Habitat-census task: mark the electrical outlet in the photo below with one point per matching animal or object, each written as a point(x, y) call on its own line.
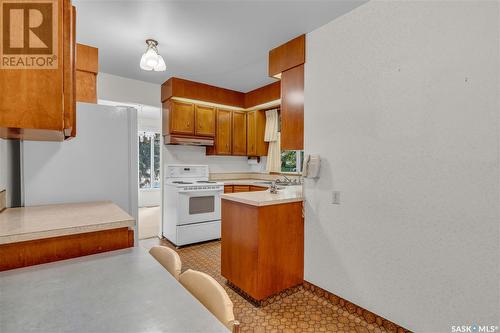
point(336, 197)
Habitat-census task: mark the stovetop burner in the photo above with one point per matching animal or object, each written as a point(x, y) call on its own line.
point(181, 182)
point(206, 182)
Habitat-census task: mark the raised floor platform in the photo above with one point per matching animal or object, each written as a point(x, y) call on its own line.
point(41, 234)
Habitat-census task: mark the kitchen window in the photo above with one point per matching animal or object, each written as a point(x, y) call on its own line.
point(291, 161)
point(149, 160)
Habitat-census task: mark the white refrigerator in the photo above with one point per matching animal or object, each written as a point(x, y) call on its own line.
point(100, 163)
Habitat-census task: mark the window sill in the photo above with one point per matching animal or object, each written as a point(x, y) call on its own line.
point(149, 189)
point(286, 173)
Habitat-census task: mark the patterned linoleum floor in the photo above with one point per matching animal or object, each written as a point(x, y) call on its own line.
point(301, 311)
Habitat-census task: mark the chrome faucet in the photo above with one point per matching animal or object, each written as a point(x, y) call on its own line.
point(273, 188)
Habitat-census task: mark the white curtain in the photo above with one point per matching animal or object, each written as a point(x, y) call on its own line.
point(273, 137)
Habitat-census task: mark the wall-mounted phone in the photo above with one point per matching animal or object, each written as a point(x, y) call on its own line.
point(312, 164)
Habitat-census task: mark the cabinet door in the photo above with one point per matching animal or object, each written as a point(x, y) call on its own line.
point(257, 188)
point(69, 69)
point(223, 140)
point(292, 109)
point(182, 118)
point(32, 100)
point(239, 133)
point(205, 121)
point(251, 134)
point(241, 188)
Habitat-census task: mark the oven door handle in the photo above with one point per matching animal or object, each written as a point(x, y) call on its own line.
point(202, 190)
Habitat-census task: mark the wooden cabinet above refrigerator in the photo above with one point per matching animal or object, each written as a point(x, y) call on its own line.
point(38, 86)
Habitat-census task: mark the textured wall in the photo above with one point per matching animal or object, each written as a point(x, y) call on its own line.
point(401, 101)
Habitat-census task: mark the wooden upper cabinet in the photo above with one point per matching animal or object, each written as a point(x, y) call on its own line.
point(239, 133)
point(251, 133)
point(292, 109)
point(87, 67)
point(37, 96)
point(256, 127)
point(223, 138)
point(205, 120)
point(286, 56)
point(181, 118)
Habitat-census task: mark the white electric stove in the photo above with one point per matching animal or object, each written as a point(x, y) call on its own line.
point(191, 205)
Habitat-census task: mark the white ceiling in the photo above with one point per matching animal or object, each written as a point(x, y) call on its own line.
point(223, 43)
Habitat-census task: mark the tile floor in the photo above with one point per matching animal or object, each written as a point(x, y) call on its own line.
point(301, 311)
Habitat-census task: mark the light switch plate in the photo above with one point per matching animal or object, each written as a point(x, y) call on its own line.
point(336, 197)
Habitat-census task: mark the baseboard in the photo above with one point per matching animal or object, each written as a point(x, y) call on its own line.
point(350, 307)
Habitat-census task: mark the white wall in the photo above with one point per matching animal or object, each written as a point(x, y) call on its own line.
point(173, 154)
point(96, 165)
point(401, 101)
point(121, 89)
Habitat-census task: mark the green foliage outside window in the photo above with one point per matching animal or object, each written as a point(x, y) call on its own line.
point(149, 155)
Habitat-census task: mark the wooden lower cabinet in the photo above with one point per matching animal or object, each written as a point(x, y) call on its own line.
point(40, 251)
point(262, 247)
point(257, 188)
point(241, 188)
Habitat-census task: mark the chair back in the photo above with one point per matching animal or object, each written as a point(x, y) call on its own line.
point(168, 258)
point(211, 294)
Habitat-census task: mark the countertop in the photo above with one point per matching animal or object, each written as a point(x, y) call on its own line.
point(265, 198)
point(120, 291)
point(254, 182)
point(36, 222)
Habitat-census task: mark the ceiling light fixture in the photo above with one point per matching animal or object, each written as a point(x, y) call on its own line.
point(151, 60)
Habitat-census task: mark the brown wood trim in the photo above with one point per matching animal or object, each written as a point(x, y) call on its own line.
point(292, 109)
point(369, 316)
point(87, 58)
point(32, 134)
point(265, 94)
point(288, 55)
point(40, 251)
point(177, 87)
point(130, 238)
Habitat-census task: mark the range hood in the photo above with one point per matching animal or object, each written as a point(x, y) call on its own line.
point(188, 140)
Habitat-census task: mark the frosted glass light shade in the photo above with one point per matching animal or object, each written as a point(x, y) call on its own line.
point(161, 66)
point(151, 60)
point(143, 63)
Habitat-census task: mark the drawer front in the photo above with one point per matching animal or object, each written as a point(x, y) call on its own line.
point(241, 188)
point(257, 188)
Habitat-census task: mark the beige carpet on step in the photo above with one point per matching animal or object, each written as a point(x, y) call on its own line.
point(149, 222)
